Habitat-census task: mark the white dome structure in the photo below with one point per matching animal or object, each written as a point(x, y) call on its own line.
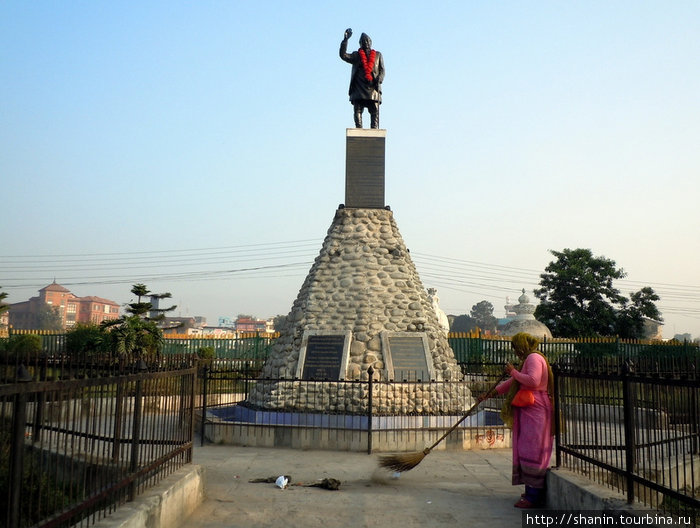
point(525, 321)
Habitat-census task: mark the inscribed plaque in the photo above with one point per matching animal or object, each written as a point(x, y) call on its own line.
point(323, 357)
point(408, 356)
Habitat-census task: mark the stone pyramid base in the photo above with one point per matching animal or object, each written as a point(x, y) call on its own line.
point(364, 285)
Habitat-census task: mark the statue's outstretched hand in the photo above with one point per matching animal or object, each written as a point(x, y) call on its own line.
point(348, 34)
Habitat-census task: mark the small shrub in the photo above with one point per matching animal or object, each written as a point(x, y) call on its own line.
point(87, 340)
point(25, 347)
point(206, 352)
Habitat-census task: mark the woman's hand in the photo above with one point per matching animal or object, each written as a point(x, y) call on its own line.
point(509, 368)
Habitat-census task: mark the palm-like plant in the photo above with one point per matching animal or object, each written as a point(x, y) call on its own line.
point(135, 336)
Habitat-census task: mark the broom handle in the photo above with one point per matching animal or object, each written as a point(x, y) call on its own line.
point(466, 415)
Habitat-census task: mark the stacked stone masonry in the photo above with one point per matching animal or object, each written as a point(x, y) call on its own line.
point(363, 281)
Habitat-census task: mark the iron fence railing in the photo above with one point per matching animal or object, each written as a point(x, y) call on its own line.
point(249, 347)
point(648, 356)
point(635, 433)
point(73, 450)
point(225, 387)
point(245, 346)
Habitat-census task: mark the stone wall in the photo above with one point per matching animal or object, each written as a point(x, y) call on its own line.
point(363, 282)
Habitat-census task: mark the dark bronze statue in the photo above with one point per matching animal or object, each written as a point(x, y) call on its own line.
point(366, 78)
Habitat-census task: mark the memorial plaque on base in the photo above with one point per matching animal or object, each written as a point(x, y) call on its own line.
point(364, 168)
point(323, 356)
point(407, 356)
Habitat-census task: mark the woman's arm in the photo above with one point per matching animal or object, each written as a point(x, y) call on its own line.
point(530, 375)
point(503, 387)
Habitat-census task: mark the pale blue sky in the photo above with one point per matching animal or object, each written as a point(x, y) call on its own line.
point(177, 143)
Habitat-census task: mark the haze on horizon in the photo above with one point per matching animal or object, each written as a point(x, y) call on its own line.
point(199, 148)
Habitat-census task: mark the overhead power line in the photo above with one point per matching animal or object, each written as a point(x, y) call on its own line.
point(285, 259)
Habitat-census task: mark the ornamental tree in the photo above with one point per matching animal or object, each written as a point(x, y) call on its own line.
point(137, 336)
point(145, 309)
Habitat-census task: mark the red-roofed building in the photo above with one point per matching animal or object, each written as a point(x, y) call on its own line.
point(71, 308)
point(249, 324)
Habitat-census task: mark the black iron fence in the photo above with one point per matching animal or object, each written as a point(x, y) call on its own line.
point(72, 450)
point(634, 432)
point(367, 413)
point(473, 349)
point(600, 353)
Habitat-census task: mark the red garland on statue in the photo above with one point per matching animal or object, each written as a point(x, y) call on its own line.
point(368, 65)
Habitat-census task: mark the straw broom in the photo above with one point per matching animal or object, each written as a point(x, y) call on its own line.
point(407, 461)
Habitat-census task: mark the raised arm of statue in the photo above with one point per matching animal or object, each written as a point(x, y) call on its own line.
point(344, 48)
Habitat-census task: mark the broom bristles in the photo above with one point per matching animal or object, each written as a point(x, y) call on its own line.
point(403, 462)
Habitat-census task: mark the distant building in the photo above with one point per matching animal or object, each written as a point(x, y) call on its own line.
point(218, 331)
point(4, 322)
point(653, 329)
point(250, 324)
point(524, 320)
point(683, 337)
point(226, 322)
point(180, 325)
point(509, 316)
point(243, 324)
point(71, 308)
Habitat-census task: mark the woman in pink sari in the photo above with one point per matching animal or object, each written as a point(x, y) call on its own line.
point(532, 424)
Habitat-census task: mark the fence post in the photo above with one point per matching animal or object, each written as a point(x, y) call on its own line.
point(136, 429)
point(19, 420)
point(205, 381)
point(630, 441)
point(246, 378)
point(694, 416)
point(370, 371)
point(193, 397)
point(118, 414)
point(41, 399)
point(556, 370)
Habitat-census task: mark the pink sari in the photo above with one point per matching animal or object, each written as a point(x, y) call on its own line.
point(532, 425)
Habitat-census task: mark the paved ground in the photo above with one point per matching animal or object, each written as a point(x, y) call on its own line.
point(469, 488)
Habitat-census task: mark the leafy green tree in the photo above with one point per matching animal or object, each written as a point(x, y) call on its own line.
point(463, 323)
point(644, 301)
point(23, 347)
point(577, 296)
point(132, 337)
point(87, 339)
point(630, 319)
point(278, 322)
point(482, 313)
point(48, 318)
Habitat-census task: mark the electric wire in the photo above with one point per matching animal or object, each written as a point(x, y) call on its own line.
point(290, 259)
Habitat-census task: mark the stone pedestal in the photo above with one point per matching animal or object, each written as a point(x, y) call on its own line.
point(364, 168)
point(362, 305)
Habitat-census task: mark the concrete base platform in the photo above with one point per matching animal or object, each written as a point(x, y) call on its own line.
point(166, 505)
point(239, 426)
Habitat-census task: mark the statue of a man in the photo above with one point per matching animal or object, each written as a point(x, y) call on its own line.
point(366, 78)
